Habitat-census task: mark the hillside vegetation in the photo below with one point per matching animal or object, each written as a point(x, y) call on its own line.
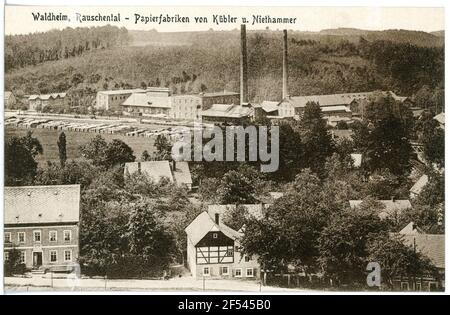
point(332, 61)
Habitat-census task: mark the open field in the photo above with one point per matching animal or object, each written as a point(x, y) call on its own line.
point(49, 138)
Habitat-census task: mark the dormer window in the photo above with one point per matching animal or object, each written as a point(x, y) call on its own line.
point(215, 235)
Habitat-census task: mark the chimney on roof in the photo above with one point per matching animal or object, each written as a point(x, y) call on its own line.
point(285, 65)
point(244, 83)
point(216, 216)
point(393, 198)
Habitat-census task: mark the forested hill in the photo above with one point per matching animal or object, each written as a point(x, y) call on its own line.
point(319, 63)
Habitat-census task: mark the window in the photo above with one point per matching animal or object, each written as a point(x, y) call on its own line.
point(230, 253)
point(52, 236)
point(67, 255)
point(405, 286)
point(433, 286)
point(67, 235)
point(224, 270)
point(205, 271)
point(21, 237)
point(247, 258)
point(418, 286)
point(53, 256)
point(7, 237)
point(22, 257)
point(215, 235)
point(6, 256)
point(249, 272)
point(37, 236)
point(238, 272)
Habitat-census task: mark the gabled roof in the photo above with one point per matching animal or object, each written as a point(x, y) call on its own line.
point(145, 100)
point(42, 204)
point(255, 210)
point(440, 118)
point(411, 228)
point(419, 185)
point(7, 95)
point(337, 99)
point(216, 94)
point(181, 173)
point(337, 108)
point(47, 96)
point(203, 224)
point(269, 106)
point(227, 111)
point(156, 170)
point(430, 245)
point(390, 206)
point(116, 92)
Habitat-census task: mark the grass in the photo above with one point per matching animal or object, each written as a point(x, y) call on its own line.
point(49, 138)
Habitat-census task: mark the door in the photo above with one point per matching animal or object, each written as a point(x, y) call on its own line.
point(37, 259)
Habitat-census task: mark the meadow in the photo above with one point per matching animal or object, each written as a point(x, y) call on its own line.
point(49, 138)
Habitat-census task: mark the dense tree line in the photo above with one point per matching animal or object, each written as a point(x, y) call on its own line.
point(32, 49)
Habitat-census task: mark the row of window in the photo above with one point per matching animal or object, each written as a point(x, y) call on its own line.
point(225, 271)
point(53, 256)
point(432, 286)
point(52, 236)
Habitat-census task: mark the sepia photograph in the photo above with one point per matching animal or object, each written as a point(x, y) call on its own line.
point(223, 149)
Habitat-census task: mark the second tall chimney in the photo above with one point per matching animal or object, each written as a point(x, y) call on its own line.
point(285, 65)
point(244, 84)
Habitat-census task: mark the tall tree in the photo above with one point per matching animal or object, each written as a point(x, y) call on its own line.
point(62, 149)
point(316, 140)
point(20, 165)
point(384, 136)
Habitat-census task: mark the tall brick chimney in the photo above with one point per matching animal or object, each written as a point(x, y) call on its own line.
point(244, 83)
point(285, 65)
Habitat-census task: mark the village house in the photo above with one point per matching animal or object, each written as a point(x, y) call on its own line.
point(174, 171)
point(390, 207)
point(113, 99)
point(38, 102)
point(213, 250)
point(267, 109)
point(431, 246)
point(155, 102)
point(42, 222)
point(10, 99)
point(224, 113)
point(190, 106)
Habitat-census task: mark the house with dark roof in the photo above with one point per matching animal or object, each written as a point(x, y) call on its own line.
point(177, 172)
point(433, 247)
point(214, 251)
point(42, 222)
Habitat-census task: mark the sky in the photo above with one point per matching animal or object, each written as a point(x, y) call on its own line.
point(19, 19)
